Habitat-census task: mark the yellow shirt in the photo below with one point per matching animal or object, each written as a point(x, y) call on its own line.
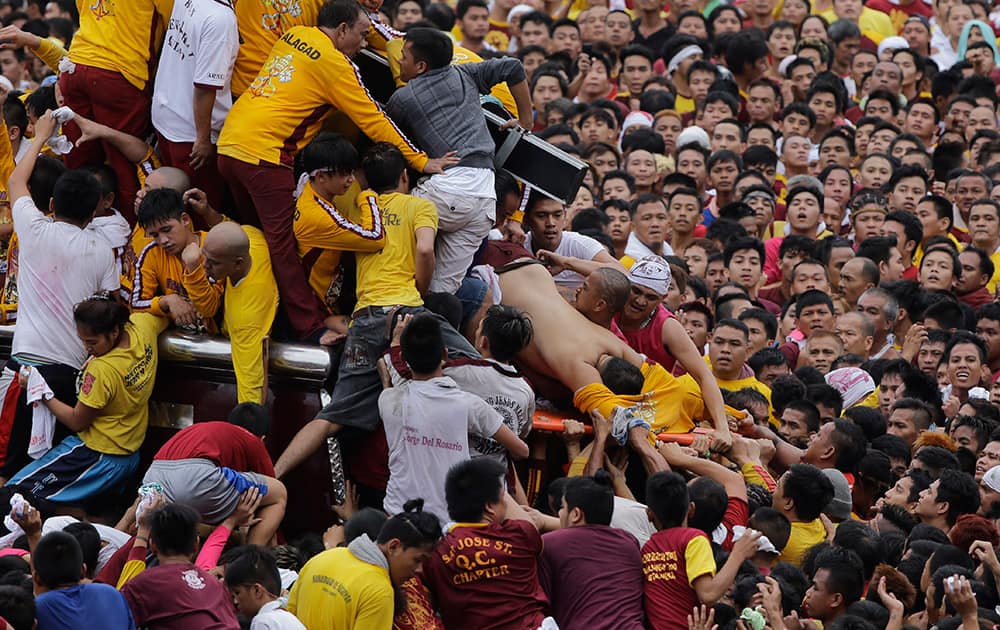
point(668, 404)
point(304, 80)
point(121, 35)
point(118, 385)
point(918, 253)
point(874, 25)
point(683, 104)
point(158, 273)
point(386, 277)
point(261, 23)
point(323, 232)
point(249, 309)
point(335, 589)
point(804, 536)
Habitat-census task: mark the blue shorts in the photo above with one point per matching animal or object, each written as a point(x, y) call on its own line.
point(71, 472)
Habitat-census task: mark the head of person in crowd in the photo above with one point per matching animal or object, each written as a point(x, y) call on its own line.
point(587, 501)
point(908, 417)
point(814, 312)
point(839, 444)
point(253, 579)
point(762, 327)
point(838, 581)
point(802, 493)
point(226, 253)
point(727, 348)
point(798, 422)
point(163, 216)
point(949, 496)
point(100, 323)
point(857, 276)
point(966, 359)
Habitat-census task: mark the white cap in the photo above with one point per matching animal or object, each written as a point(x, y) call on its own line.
point(693, 134)
point(652, 273)
point(892, 43)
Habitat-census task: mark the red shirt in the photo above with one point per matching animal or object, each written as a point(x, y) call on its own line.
point(737, 513)
point(912, 273)
point(485, 576)
point(648, 340)
point(671, 560)
point(180, 596)
point(222, 443)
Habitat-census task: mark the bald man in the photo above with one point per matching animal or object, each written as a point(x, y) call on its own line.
point(571, 351)
point(237, 256)
point(602, 294)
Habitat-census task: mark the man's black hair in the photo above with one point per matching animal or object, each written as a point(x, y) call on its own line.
point(470, 486)
point(966, 337)
point(90, 544)
point(41, 100)
point(758, 154)
point(797, 243)
point(43, 178)
point(159, 205)
point(744, 243)
point(254, 565)
point(15, 114)
point(58, 560)
point(911, 226)
point(876, 248)
point(862, 540)
point(936, 459)
point(668, 498)
point(744, 49)
point(809, 488)
point(947, 313)
point(765, 317)
point(808, 410)
point(812, 297)
point(412, 527)
point(174, 530)
point(422, 344)
point(18, 606)
point(383, 165)
point(594, 497)
point(845, 572)
point(785, 389)
point(561, 129)
point(656, 100)
point(621, 377)
point(959, 490)
point(850, 442)
point(337, 12)
point(329, 151)
point(252, 417)
point(710, 500)
point(826, 395)
point(724, 230)
point(893, 446)
point(508, 331)
point(75, 197)
point(430, 46)
point(767, 357)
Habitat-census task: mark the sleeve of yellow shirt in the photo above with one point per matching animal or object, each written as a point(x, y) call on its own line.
point(145, 281)
point(247, 347)
point(131, 569)
point(99, 384)
point(338, 232)
point(347, 93)
point(206, 296)
point(147, 165)
point(698, 559)
point(758, 475)
point(51, 53)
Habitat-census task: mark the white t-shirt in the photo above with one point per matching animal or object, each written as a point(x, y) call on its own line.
point(59, 265)
point(638, 250)
point(199, 49)
point(632, 517)
point(273, 617)
point(427, 427)
point(575, 245)
point(113, 228)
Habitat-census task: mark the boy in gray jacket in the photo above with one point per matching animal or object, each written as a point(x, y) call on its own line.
point(439, 106)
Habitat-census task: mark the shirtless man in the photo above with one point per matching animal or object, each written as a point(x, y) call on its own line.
point(571, 349)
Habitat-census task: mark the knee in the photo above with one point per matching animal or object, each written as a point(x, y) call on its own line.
point(277, 493)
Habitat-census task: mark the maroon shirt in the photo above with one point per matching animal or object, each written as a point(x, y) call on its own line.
point(223, 444)
point(593, 576)
point(485, 576)
point(181, 597)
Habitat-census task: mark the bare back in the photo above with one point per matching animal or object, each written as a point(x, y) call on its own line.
point(566, 344)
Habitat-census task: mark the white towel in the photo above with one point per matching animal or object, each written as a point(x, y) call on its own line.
point(19, 506)
point(43, 421)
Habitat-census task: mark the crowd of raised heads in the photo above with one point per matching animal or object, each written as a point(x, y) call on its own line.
point(738, 373)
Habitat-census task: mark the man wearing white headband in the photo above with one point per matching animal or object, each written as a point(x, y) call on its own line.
point(683, 51)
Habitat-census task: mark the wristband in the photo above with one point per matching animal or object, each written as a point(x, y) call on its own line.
point(517, 215)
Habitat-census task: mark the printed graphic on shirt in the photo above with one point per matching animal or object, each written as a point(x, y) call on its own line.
point(88, 383)
point(102, 8)
point(659, 565)
point(275, 12)
point(278, 69)
point(193, 580)
point(476, 558)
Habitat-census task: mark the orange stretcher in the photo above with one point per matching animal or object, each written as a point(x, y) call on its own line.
point(552, 422)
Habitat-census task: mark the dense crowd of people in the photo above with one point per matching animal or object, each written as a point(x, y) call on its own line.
point(746, 378)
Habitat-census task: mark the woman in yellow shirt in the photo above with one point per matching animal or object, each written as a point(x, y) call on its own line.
point(111, 413)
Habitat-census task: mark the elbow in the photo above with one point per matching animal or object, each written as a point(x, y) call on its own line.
point(425, 251)
point(520, 451)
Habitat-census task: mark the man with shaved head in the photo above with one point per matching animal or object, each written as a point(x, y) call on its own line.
point(237, 256)
point(603, 293)
point(857, 332)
